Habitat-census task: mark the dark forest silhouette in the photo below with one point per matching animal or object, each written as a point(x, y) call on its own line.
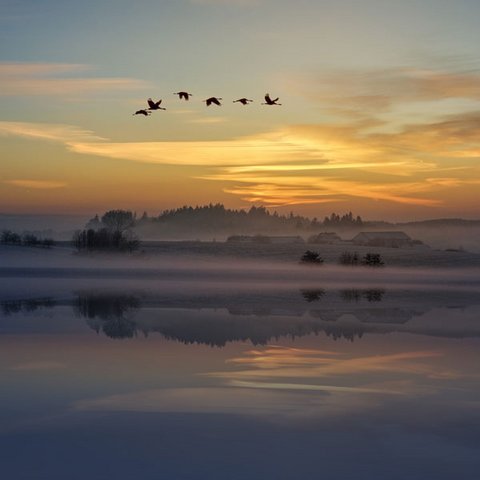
point(216, 219)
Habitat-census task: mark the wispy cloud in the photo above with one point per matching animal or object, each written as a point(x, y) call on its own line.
point(65, 134)
point(378, 90)
point(226, 2)
point(209, 120)
point(36, 184)
point(308, 164)
point(57, 79)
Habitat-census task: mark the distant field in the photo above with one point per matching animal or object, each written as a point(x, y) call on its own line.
point(189, 252)
point(290, 253)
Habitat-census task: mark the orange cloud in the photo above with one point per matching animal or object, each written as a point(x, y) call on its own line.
point(36, 184)
point(308, 164)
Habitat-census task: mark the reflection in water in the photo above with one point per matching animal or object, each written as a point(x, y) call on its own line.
point(108, 312)
point(29, 305)
point(218, 319)
point(355, 295)
point(309, 404)
point(312, 295)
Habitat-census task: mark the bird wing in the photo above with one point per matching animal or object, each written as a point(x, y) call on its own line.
point(267, 98)
point(151, 103)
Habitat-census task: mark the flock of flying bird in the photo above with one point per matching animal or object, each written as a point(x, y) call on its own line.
point(152, 105)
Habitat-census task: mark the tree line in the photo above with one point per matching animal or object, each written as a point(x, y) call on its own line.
point(8, 237)
point(217, 218)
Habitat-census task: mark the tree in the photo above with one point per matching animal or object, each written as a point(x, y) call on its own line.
point(311, 258)
point(106, 240)
point(118, 220)
point(373, 260)
point(94, 223)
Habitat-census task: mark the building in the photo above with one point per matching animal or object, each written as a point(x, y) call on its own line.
point(394, 239)
point(328, 238)
point(265, 239)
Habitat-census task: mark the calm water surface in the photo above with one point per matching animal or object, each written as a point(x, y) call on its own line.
point(183, 382)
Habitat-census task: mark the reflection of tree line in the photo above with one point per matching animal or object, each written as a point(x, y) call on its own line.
point(108, 312)
point(10, 307)
point(115, 316)
point(348, 295)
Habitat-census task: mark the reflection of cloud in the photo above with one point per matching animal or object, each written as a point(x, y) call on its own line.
point(309, 387)
point(38, 366)
point(36, 184)
point(232, 400)
point(47, 79)
point(271, 364)
point(280, 389)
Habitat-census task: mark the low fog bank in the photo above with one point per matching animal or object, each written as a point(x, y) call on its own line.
point(58, 227)
point(446, 236)
point(180, 268)
point(231, 255)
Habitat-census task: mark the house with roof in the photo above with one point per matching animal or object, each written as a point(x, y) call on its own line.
point(393, 239)
point(328, 238)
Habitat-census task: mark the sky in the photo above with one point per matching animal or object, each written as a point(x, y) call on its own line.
point(379, 115)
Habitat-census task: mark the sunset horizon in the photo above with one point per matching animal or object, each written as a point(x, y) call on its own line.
point(379, 108)
point(239, 239)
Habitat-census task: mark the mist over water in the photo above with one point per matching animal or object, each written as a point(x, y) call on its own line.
point(232, 361)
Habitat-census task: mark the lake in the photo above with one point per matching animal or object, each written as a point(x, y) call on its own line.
point(171, 378)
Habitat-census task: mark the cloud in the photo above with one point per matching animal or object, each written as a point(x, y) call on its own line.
point(56, 79)
point(378, 90)
point(65, 134)
point(209, 120)
point(36, 184)
point(242, 3)
point(309, 164)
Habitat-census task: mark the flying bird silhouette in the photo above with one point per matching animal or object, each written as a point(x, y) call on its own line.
point(243, 101)
point(215, 100)
point(142, 112)
point(154, 105)
point(183, 95)
point(269, 101)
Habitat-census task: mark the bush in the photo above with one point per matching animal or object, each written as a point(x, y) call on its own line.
point(349, 258)
point(311, 258)
point(373, 260)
